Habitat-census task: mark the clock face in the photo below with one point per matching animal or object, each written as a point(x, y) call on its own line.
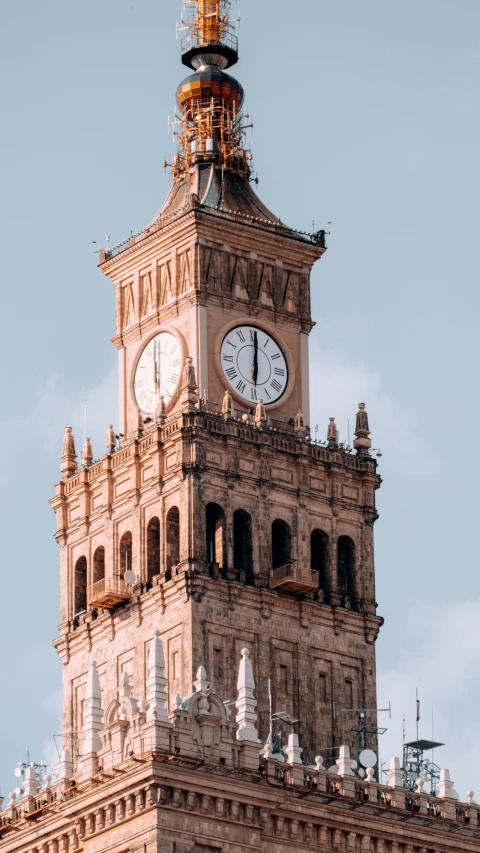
point(158, 372)
point(254, 364)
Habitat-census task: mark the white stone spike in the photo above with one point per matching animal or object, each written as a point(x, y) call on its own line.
point(201, 685)
point(246, 703)
point(64, 767)
point(395, 774)
point(345, 764)
point(157, 697)
point(93, 714)
point(293, 751)
point(445, 787)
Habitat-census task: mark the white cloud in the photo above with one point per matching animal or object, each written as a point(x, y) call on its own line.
point(438, 653)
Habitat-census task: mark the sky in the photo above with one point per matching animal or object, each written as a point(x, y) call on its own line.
point(366, 117)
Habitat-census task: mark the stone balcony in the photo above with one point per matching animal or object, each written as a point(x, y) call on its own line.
point(294, 579)
point(109, 593)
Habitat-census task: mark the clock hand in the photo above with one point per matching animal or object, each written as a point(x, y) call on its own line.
point(255, 358)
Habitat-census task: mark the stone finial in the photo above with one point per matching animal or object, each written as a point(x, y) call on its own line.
point(140, 423)
point(319, 763)
point(246, 703)
point(111, 440)
point(178, 702)
point(189, 375)
point(87, 453)
point(445, 789)
point(260, 414)
point(68, 465)
point(395, 774)
point(161, 411)
point(299, 427)
point(420, 784)
point(332, 433)
point(470, 797)
point(370, 775)
point(64, 767)
point(156, 682)
point(201, 685)
point(12, 797)
point(31, 786)
point(345, 764)
point(93, 714)
point(293, 752)
point(362, 443)
point(189, 392)
point(228, 410)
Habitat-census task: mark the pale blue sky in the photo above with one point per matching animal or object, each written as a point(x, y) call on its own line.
point(367, 115)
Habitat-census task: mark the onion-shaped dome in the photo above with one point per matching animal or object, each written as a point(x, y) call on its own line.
point(207, 83)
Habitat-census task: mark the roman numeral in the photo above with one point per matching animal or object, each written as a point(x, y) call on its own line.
point(267, 394)
point(252, 335)
point(241, 386)
point(232, 345)
point(254, 393)
point(241, 336)
point(279, 371)
point(276, 385)
point(174, 349)
point(140, 383)
point(277, 355)
point(174, 378)
point(231, 373)
point(176, 363)
point(266, 343)
point(149, 403)
point(228, 358)
point(149, 352)
point(142, 396)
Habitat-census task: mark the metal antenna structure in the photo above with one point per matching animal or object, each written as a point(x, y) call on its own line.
point(364, 734)
point(275, 734)
point(416, 765)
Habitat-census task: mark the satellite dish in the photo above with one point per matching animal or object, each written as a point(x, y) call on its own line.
point(129, 577)
point(368, 758)
point(18, 772)
point(361, 772)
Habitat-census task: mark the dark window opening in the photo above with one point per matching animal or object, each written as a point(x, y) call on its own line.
point(173, 539)
point(281, 544)
point(99, 565)
point(126, 554)
point(80, 586)
point(242, 546)
point(322, 690)
point(215, 531)
point(218, 663)
point(346, 566)
point(319, 557)
point(348, 694)
point(153, 549)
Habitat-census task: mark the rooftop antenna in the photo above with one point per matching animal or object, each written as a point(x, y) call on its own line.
point(415, 764)
point(275, 735)
point(364, 755)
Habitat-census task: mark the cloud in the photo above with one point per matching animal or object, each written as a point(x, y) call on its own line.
point(438, 653)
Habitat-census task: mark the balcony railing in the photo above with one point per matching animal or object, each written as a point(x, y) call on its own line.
point(108, 593)
point(292, 578)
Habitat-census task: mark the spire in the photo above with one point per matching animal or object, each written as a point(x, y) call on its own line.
point(156, 682)
point(363, 443)
point(260, 414)
point(228, 410)
point(161, 411)
point(68, 464)
point(93, 714)
point(246, 703)
point(299, 427)
point(189, 393)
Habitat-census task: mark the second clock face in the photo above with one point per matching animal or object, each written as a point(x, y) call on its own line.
point(158, 372)
point(254, 364)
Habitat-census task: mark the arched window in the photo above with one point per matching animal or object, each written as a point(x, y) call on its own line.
point(153, 549)
point(346, 566)
point(242, 546)
point(173, 538)
point(215, 530)
point(80, 585)
point(126, 554)
point(281, 544)
point(99, 565)
point(319, 557)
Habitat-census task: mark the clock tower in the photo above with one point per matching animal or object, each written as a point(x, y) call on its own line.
point(216, 521)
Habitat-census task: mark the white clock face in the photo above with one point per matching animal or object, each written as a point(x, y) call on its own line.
point(158, 372)
point(254, 364)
